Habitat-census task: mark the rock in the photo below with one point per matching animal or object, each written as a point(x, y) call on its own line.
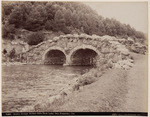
point(115, 58)
point(105, 50)
point(56, 38)
point(95, 36)
point(124, 64)
point(99, 74)
point(75, 35)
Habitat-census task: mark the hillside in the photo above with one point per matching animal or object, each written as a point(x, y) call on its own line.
point(59, 18)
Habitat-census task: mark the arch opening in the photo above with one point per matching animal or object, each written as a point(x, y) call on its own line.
point(84, 57)
point(55, 57)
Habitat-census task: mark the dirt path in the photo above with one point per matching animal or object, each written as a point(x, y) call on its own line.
point(136, 98)
point(116, 91)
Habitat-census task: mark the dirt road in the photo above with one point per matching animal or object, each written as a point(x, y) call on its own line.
point(116, 91)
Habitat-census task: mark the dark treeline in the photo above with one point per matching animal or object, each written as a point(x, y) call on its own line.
point(60, 16)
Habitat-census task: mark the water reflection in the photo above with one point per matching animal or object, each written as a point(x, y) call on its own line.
point(29, 83)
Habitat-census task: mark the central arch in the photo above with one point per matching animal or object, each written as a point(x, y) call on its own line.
point(54, 56)
point(83, 55)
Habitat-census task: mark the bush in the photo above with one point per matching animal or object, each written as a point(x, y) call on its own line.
point(12, 53)
point(66, 30)
point(8, 32)
point(35, 38)
point(87, 80)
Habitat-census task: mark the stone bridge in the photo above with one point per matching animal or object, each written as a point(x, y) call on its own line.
point(77, 50)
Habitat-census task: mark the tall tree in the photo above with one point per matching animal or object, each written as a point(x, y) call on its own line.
point(59, 20)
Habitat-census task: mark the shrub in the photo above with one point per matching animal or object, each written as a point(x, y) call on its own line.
point(12, 53)
point(76, 87)
point(8, 32)
point(87, 80)
point(35, 38)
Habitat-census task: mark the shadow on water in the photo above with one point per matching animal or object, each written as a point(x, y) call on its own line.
point(79, 69)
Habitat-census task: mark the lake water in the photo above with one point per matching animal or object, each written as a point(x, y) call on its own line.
point(27, 84)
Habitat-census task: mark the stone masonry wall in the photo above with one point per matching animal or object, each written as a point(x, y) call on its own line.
point(110, 49)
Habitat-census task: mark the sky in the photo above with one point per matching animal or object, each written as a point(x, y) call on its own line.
point(133, 13)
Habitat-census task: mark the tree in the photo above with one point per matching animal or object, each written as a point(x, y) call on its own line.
point(49, 25)
point(59, 21)
point(8, 31)
point(19, 15)
point(35, 38)
point(37, 19)
point(68, 17)
point(61, 17)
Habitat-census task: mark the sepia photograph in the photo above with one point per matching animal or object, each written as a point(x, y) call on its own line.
point(74, 58)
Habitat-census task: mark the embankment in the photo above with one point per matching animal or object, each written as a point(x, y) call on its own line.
point(117, 90)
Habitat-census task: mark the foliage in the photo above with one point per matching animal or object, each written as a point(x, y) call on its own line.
point(63, 16)
point(35, 38)
point(8, 32)
point(12, 53)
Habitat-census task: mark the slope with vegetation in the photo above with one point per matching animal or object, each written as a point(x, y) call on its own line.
point(59, 18)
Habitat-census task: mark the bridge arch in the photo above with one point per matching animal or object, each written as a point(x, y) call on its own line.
point(54, 55)
point(83, 55)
